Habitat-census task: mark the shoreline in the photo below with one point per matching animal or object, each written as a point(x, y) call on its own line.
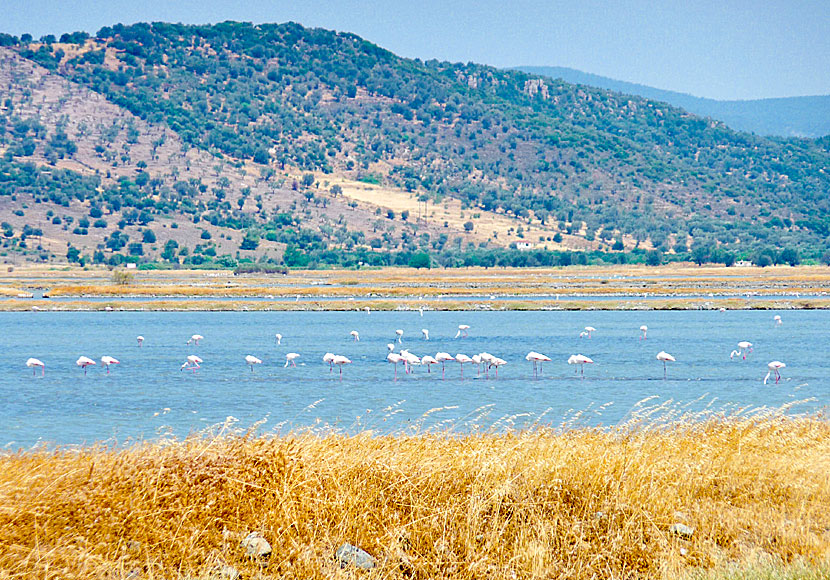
point(688, 500)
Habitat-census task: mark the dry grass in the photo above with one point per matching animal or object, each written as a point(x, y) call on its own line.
point(570, 503)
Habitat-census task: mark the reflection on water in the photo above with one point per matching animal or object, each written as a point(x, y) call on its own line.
point(147, 393)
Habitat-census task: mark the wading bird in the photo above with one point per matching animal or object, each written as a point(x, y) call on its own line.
point(537, 359)
point(195, 339)
point(341, 360)
point(777, 319)
point(355, 335)
point(140, 340)
point(588, 331)
point(290, 358)
point(774, 367)
point(644, 331)
point(743, 348)
point(665, 357)
point(107, 361)
point(462, 331)
point(394, 358)
point(399, 333)
point(581, 360)
point(327, 358)
point(429, 361)
point(84, 362)
point(192, 363)
point(34, 363)
point(461, 359)
point(278, 339)
point(443, 357)
point(425, 332)
point(252, 360)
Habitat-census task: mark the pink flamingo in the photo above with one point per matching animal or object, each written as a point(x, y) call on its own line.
point(195, 339)
point(327, 358)
point(581, 360)
point(84, 362)
point(665, 357)
point(290, 359)
point(429, 361)
point(355, 335)
point(443, 357)
point(341, 360)
point(107, 361)
point(644, 330)
point(394, 358)
point(537, 359)
point(497, 362)
point(251, 360)
point(588, 331)
point(140, 340)
point(33, 363)
point(462, 331)
point(461, 359)
point(774, 367)
point(192, 363)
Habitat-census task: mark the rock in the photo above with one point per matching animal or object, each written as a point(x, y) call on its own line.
point(352, 555)
point(682, 530)
point(256, 546)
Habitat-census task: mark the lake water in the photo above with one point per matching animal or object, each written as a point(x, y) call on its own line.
point(147, 394)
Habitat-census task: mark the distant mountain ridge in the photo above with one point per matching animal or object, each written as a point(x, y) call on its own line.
point(784, 117)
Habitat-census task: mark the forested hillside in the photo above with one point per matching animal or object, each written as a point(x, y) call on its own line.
point(215, 121)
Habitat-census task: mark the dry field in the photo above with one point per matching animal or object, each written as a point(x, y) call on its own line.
point(545, 503)
point(621, 287)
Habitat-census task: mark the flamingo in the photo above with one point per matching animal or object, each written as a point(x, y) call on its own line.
point(461, 359)
point(84, 362)
point(140, 340)
point(278, 339)
point(399, 332)
point(394, 358)
point(665, 357)
point(487, 359)
point(644, 330)
point(477, 361)
point(588, 331)
point(443, 357)
point(33, 363)
point(410, 360)
point(327, 358)
point(777, 319)
point(462, 330)
point(192, 363)
point(252, 360)
point(290, 358)
point(429, 361)
point(341, 360)
point(355, 335)
point(537, 359)
point(743, 348)
point(497, 362)
point(390, 346)
point(774, 367)
point(425, 332)
point(195, 339)
point(107, 361)
point(581, 360)
point(368, 310)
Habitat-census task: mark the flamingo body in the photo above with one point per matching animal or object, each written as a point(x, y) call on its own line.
point(34, 363)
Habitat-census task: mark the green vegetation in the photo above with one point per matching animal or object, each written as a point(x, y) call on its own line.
point(597, 164)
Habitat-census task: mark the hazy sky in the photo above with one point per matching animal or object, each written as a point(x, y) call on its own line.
point(732, 49)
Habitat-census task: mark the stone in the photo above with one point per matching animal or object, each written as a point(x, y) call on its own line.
point(256, 546)
point(347, 555)
point(227, 572)
point(682, 530)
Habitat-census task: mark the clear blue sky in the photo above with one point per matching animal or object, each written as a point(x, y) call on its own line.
point(732, 49)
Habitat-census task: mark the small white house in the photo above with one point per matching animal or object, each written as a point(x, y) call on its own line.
point(524, 246)
point(130, 266)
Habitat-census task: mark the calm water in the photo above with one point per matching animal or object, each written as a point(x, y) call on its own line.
point(147, 394)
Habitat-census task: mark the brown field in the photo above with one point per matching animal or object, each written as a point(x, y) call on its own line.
point(621, 287)
point(546, 503)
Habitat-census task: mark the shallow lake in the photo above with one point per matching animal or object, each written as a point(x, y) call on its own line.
point(147, 394)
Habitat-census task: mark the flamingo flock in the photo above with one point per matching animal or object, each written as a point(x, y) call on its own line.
point(484, 361)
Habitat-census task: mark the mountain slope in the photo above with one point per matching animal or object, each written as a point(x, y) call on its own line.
point(251, 107)
point(786, 117)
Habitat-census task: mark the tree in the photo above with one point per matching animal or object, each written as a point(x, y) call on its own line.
point(468, 226)
point(308, 180)
point(654, 258)
point(420, 260)
point(790, 256)
point(149, 237)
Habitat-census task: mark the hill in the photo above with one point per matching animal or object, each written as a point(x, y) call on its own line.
point(298, 145)
point(784, 117)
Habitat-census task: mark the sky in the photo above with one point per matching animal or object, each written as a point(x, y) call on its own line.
point(731, 49)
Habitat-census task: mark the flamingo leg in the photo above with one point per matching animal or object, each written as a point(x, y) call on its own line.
point(664, 369)
point(442, 369)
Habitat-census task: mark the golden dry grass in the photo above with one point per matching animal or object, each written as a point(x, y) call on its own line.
point(577, 504)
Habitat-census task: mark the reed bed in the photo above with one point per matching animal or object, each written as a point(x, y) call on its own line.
point(568, 502)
